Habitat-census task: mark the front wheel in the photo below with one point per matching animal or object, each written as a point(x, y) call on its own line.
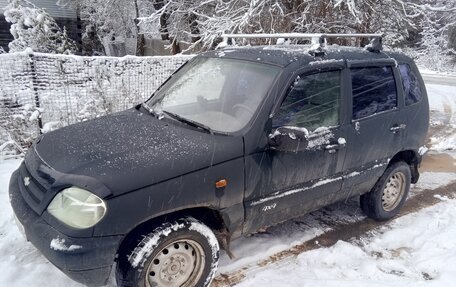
point(387, 197)
point(183, 253)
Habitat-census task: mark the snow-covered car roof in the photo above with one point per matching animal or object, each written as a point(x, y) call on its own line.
point(283, 55)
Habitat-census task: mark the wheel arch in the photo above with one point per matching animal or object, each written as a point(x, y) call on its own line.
point(412, 158)
point(212, 218)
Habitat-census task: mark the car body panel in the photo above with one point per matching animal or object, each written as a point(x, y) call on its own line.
point(196, 189)
point(132, 149)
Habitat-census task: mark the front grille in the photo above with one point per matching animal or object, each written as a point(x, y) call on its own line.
point(34, 193)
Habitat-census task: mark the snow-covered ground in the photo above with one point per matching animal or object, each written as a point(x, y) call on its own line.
point(21, 264)
point(442, 102)
point(417, 249)
point(426, 71)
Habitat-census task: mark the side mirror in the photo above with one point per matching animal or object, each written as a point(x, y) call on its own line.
point(291, 139)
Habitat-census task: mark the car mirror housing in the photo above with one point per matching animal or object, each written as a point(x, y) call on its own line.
point(288, 139)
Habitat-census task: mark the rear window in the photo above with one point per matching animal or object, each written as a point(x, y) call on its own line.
point(374, 91)
point(412, 90)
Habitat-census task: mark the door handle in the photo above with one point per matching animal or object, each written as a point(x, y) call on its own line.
point(398, 128)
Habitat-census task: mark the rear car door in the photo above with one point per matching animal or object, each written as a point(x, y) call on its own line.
point(416, 109)
point(300, 173)
point(377, 125)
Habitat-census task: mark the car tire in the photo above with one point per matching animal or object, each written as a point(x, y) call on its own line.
point(181, 253)
point(388, 195)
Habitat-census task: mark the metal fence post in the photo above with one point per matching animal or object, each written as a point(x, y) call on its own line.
point(35, 90)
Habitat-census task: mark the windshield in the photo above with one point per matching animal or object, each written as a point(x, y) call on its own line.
point(219, 94)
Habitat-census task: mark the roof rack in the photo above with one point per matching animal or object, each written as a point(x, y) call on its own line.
point(320, 39)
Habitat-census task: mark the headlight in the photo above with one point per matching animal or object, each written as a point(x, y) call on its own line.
point(77, 207)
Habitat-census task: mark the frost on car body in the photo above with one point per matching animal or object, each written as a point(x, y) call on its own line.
point(237, 140)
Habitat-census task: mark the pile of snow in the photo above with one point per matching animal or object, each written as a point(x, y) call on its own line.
point(59, 245)
point(442, 103)
point(444, 143)
point(432, 180)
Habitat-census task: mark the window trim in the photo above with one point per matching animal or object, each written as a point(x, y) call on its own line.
point(304, 73)
point(371, 63)
point(402, 85)
point(395, 109)
point(377, 64)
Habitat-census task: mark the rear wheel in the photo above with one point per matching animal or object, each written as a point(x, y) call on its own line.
point(387, 197)
point(183, 253)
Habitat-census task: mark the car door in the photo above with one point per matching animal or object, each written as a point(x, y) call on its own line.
point(377, 125)
point(300, 171)
point(416, 108)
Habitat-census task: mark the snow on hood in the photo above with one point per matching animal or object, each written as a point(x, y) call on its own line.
point(130, 150)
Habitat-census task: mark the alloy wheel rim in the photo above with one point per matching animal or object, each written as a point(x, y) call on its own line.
point(393, 191)
point(180, 263)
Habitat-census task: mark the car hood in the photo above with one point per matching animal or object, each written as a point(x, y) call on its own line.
point(130, 150)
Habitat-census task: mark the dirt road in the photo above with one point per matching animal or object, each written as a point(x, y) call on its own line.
point(439, 79)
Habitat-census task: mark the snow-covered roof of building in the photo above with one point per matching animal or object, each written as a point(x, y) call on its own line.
point(50, 6)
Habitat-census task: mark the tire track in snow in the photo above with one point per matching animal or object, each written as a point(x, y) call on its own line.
point(345, 232)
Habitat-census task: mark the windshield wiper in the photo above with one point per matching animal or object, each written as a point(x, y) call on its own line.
point(189, 122)
point(152, 112)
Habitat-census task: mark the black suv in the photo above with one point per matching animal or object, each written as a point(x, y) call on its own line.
point(236, 140)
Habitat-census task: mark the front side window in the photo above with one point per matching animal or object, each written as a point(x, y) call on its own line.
point(312, 101)
point(411, 85)
point(374, 91)
point(221, 94)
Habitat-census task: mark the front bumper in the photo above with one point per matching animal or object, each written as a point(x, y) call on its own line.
point(86, 260)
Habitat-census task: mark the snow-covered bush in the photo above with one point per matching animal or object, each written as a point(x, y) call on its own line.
point(34, 28)
point(18, 121)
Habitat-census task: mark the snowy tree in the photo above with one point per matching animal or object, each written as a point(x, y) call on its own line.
point(33, 27)
point(109, 19)
point(424, 25)
point(436, 26)
point(202, 22)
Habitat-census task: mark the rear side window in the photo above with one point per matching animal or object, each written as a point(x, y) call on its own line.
point(374, 91)
point(412, 90)
point(312, 101)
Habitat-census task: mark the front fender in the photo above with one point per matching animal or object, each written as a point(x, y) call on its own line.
point(196, 189)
